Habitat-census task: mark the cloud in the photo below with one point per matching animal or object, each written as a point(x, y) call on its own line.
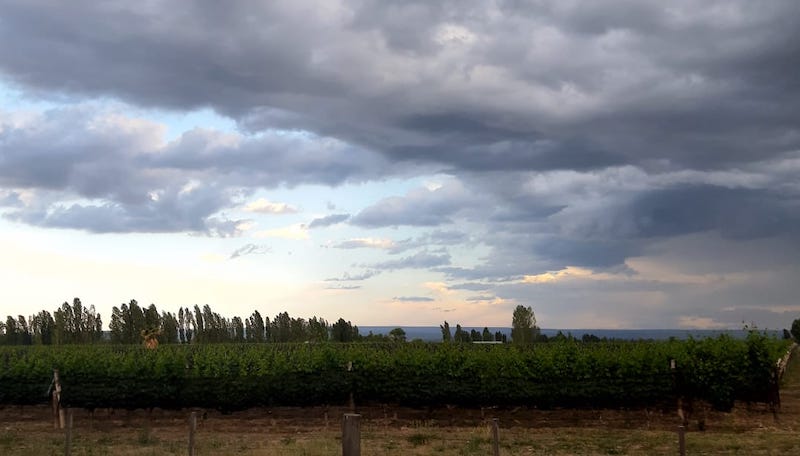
point(328, 220)
point(694, 322)
point(420, 207)
point(481, 298)
point(364, 243)
point(560, 136)
point(653, 83)
point(189, 210)
point(343, 287)
point(250, 249)
point(136, 181)
point(412, 299)
point(433, 238)
point(421, 260)
point(470, 286)
point(347, 277)
point(263, 206)
point(10, 198)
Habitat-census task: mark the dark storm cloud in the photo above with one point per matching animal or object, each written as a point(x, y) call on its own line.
point(735, 213)
point(328, 220)
point(541, 86)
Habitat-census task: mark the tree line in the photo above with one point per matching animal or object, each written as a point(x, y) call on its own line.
point(131, 323)
point(523, 331)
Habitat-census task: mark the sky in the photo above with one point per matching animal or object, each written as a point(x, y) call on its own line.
point(611, 164)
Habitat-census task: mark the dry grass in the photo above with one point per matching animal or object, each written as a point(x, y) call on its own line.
point(393, 441)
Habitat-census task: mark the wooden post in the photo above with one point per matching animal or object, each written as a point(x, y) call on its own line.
point(68, 443)
point(192, 428)
point(495, 437)
point(351, 400)
point(682, 440)
point(351, 434)
point(58, 412)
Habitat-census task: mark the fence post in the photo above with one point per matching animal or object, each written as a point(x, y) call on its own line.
point(682, 440)
point(192, 427)
point(495, 437)
point(351, 434)
point(68, 442)
point(58, 412)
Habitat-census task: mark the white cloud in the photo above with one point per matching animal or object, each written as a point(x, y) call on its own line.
point(264, 206)
point(364, 243)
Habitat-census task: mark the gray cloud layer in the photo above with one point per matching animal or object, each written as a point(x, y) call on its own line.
point(539, 86)
point(328, 220)
point(138, 182)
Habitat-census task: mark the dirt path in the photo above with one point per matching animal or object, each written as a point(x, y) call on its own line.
point(790, 392)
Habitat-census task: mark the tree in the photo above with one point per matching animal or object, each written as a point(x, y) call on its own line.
point(447, 336)
point(523, 326)
point(461, 335)
point(796, 330)
point(169, 327)
point(317, 329)
point(298, 330)
point(475, 336)
point(255, 332)
point(198, 325)
point(281, 329)
point(152, 320)
point(25, 337)
point(12, 332)
point(238, 329)
point(487, 335)
point(398, 335)
point(42, 327)
point(344, 331)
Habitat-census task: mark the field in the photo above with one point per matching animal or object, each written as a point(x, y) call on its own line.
point(238, 376)
point(392, 430)
point(404, 431)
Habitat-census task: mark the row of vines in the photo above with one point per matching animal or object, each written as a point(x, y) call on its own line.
point(236, 376)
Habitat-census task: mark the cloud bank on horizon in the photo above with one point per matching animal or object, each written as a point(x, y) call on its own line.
point(610, 163)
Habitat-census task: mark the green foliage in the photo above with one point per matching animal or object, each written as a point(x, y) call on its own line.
point(233, 376)
point(397, 335)
point(523, 326)
point(447, 336)
point(796, 330)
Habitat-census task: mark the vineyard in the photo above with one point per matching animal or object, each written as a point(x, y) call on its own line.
point(238, 376)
